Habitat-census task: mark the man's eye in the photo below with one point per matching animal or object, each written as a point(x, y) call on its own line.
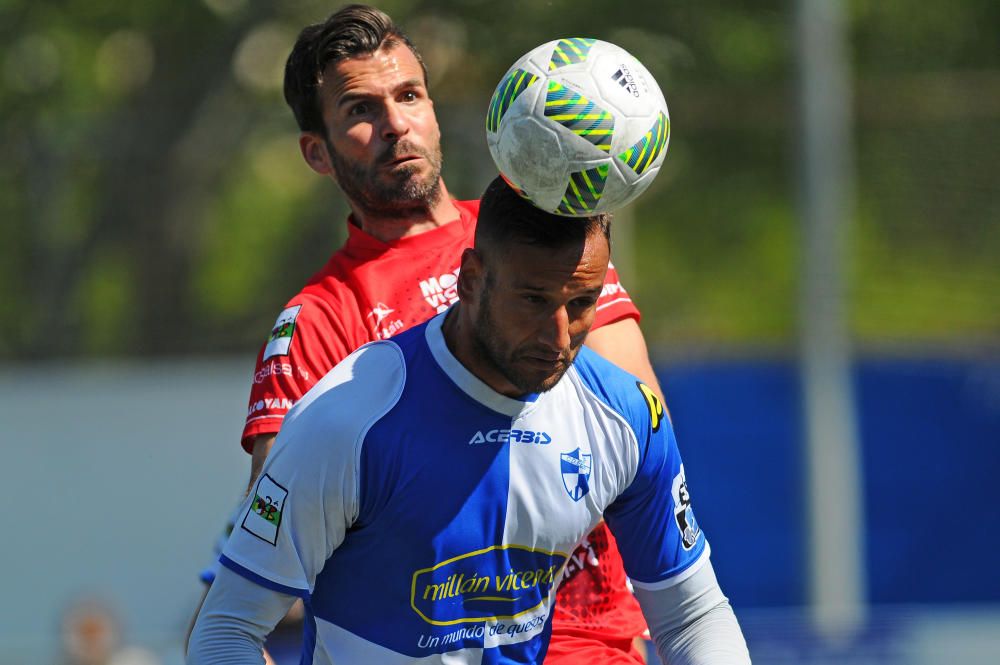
point(408, 96)
point(358, 109)
point(533, 299)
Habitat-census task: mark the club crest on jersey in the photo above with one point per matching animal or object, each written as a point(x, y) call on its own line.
point(686, 523)
point(263, 517)
point(576, 473)
point(280, 339)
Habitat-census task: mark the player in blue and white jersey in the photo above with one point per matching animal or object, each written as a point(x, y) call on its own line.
point(424, 497)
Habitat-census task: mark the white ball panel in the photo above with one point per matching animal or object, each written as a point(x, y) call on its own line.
point(527, 147)
point(539, 154)
point(615, 81)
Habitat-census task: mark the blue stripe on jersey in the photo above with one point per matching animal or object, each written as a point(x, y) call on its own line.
point(657, 494)
point(531, 651)
point(262, 581)
point(401, 551)
point(308, 634)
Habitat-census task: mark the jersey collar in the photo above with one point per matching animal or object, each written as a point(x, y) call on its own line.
point(362, 245)
point(468, 382)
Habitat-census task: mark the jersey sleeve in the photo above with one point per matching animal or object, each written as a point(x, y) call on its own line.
point(614, 303)
point(658, 537)
point(307, 494)
point(305, 343)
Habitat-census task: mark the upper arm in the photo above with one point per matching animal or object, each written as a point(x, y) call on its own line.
point(307, 340)
point(652, 517)
point(234, 619)
point(260, 448)
point(306, 496)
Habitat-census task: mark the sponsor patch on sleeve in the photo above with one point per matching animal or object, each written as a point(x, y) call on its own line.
point(280, 339)
point(655, 406)
point(683, 514)
point(263, 518)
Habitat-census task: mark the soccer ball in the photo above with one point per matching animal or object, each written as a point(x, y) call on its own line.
point(578, 127)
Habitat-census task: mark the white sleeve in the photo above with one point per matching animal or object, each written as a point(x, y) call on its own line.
point(234, 620)
point(307, 496)
point(692, 622)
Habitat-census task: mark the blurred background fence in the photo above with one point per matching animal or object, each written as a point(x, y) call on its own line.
point(156, 215)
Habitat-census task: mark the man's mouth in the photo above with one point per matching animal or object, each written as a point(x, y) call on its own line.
point(543, 359)
point(402, 155)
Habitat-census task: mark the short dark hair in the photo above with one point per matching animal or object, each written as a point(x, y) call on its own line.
point(350, 32)
point(507, 219)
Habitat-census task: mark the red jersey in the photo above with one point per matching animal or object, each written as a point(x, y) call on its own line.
point(370, 290)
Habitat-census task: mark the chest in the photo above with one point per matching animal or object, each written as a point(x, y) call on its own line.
point(404, 289)
point(440, 470)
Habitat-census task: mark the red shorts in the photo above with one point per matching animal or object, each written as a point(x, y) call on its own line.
point(573, 648)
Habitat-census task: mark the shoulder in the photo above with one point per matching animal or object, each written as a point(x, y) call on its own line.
point(335, 268)
point(468, 212)
point(349, 398)
point(621, 391)
point(330, 287)
point(328, 307)
point(468, 207)
point(319, 324)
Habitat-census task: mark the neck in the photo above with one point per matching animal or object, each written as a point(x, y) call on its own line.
point(407, 221)
point(457, 331)
point(452, 331)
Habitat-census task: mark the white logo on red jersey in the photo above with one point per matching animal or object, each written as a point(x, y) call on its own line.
point(378, 315)
point(441, 292)
point(379, 312)
point(280, 341)
point(270, 403)
point(612, 289)
point(279, 369)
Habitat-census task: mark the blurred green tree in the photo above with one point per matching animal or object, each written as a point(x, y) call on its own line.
point(152, 199)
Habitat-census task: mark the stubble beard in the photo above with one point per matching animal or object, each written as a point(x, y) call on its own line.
point(498, 354)
point(405, 191)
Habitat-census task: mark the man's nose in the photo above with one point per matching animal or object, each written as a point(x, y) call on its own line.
point(556, 332)
point(395, 123)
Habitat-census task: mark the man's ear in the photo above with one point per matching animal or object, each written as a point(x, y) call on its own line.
point(471, 276)
point(316, 154)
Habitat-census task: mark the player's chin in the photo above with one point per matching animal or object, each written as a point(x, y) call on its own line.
point(539, 376)
point(417, 170)
point(412, 181)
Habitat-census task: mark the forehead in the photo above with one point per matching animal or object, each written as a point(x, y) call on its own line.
point(371, 74)
point(573, 267)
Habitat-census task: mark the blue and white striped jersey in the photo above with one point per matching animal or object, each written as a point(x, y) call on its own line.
point(425, 518)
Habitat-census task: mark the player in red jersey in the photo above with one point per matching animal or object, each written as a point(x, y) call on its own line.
point(369, 289)
point(358, 89)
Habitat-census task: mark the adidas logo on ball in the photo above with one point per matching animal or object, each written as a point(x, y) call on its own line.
point(625, 79)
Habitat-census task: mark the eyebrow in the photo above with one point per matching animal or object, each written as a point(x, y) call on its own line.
point(409, 84)
point(522, 286)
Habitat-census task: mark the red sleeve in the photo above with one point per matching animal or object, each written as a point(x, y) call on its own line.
point(615, 303)
point(305, 343)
